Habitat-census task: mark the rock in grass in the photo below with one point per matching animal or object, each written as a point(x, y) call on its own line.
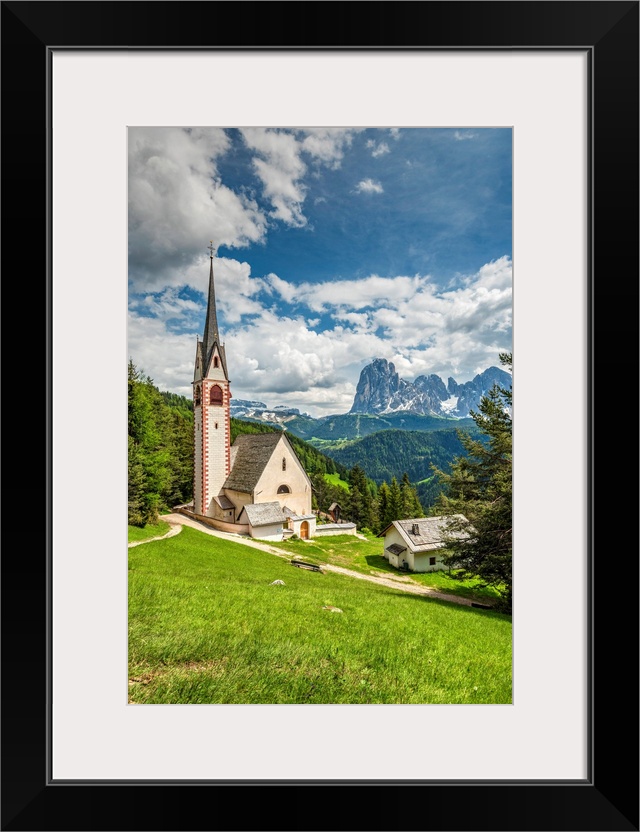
point(332, 609)
point(277, 583)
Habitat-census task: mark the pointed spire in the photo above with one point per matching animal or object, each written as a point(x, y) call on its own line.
point(211, 334)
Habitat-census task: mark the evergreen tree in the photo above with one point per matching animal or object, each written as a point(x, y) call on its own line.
point(384, 508)
point(160, 449)
point(136, 501)
point(410, 502)
point(395, 500)
point(479, 487)
point(360, 502)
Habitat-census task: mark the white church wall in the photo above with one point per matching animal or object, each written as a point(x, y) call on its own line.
point(238, 498)
point(298, 498)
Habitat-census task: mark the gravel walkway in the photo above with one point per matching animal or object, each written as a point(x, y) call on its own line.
point(401, 583)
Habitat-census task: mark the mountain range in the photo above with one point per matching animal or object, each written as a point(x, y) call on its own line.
point(387, 401)
point(381, 391)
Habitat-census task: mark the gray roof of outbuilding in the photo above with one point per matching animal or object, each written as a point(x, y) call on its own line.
point(264, 514)
point(224, 502)
point(431, 531)
point(249, 455)
point(291, 514)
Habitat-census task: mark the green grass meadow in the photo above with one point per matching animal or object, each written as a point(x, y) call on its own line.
point(352, 552)
point(206, 625)
point(137, 533)
point(335, 479)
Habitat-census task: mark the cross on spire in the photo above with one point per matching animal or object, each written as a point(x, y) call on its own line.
point(211, 249)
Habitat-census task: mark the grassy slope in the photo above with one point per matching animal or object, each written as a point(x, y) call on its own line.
point(207, 626)
point(366, 556)
point(335, 479)
point(148, 531)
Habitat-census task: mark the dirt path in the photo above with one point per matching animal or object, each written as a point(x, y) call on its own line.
point(401, 583)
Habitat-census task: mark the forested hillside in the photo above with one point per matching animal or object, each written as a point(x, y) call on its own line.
point(391, 453)
point(160, 451)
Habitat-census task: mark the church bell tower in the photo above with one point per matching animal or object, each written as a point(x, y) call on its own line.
point(211, 395)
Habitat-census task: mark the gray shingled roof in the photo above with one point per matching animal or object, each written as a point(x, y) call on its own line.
point(430, 531)
point(293, 516)
point(263, 514)
point(250, 454)
point(224, 502)
point(396, 549)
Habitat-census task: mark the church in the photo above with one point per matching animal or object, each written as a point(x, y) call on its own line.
point(256, 486)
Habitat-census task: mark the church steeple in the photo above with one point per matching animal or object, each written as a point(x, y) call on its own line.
point(211, 334)
point(211, 413)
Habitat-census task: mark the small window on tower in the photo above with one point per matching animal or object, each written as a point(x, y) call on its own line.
point(215, 361)
point(284, 464)
point(216, 426)
point(197, 396)
point(284, 489)
point(215, 396)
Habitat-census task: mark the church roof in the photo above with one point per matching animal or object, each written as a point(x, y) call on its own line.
point(263, 514)
point(249, 454)
point(211, 336)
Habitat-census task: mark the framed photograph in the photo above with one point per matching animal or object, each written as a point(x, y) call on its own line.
point(562, 80)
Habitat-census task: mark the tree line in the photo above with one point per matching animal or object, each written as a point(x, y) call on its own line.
point(370, 506)
point(160, 449)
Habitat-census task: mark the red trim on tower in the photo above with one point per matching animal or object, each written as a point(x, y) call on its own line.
point(204, 450)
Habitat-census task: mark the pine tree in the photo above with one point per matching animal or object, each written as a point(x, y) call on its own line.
point(384, 509)
point(136, 500)
point(395, 500)
point(360, 502)
point(411, 506)
point(479, 487)
point(160, 451)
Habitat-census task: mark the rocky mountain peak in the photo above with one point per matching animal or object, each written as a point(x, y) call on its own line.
point(380, 390)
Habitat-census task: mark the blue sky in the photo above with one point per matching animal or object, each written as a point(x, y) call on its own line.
point(334, 247)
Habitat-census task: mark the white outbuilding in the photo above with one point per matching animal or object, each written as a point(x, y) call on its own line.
point(417, 545)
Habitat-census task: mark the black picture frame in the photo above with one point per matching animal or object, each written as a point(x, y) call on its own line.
point(608, 798)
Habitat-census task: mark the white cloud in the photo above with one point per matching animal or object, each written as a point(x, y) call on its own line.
point(395, 132)
point(465, 135)
point(351, 294)
point(327, 144)
point(177, 203)
point(377, 149)
point(280, 168)
point(161, 354)
point(368, 186)
point(279, 358)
